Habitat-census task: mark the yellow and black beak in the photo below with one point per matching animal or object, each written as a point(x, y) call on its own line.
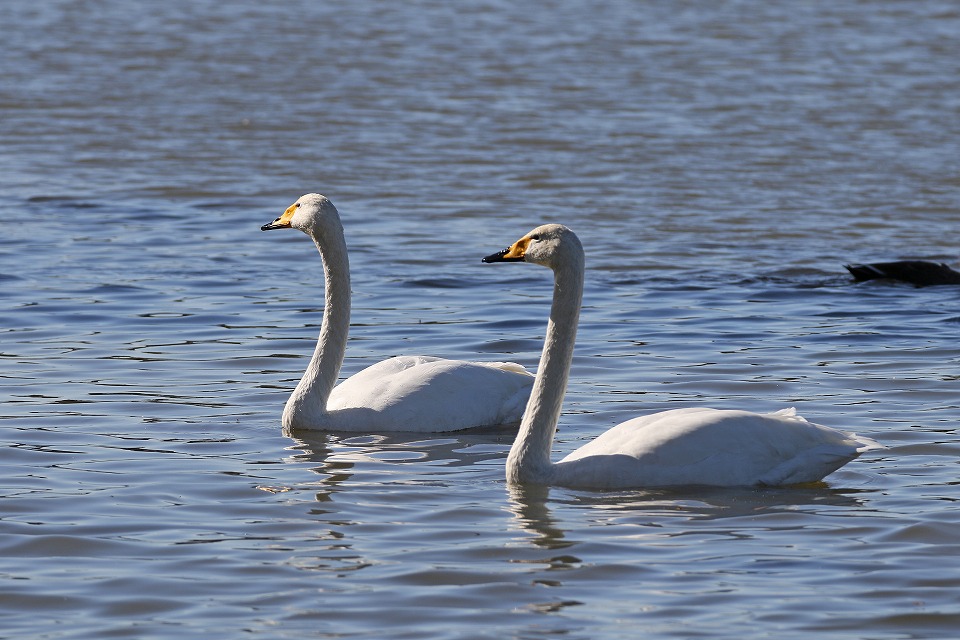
point(513, 253)
point(283, 222)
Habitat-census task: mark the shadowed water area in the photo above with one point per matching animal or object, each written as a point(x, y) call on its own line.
point(720, 162)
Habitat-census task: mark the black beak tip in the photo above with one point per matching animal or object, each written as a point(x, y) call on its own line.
point(494, 257)
point(499, 257)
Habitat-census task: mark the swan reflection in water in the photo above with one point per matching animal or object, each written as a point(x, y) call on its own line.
point(480, 456)
point(651, 509)
point(445, 496)
point(338, 457)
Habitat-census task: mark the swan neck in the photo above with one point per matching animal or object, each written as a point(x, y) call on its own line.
point(311, 395)
point(529, 458)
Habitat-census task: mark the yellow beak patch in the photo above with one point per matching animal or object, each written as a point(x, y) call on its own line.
point(517, 250)
point(283, 222)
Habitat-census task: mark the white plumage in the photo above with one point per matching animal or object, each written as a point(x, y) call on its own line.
point(696, 446)
point(406, 393)
point(423, 393)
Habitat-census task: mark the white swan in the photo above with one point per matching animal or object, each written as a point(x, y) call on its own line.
point(678, 447)
point(406, 393)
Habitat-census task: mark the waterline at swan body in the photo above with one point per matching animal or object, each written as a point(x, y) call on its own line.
point(405, 393)
point(696, 446)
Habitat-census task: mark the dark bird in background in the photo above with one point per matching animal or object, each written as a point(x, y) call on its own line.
point(917, 272)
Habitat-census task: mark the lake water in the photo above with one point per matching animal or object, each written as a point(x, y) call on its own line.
point(720, 161)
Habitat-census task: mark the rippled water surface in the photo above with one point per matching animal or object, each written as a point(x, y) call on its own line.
point(720, 161)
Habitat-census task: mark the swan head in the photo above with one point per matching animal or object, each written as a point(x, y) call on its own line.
point(310, 213)
point(550, 245)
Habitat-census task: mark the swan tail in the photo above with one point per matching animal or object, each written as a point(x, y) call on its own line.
point(789, 412)
point(860, 443)
point(864, 443)
point(811, 466)
point(816, 463)
point(507, 366)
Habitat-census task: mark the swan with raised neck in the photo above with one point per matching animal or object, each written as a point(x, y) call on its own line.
point(696, 446)
point(404, 393)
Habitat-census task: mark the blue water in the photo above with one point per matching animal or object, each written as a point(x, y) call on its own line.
point(720, 162)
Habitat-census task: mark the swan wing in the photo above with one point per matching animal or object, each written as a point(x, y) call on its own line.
point(711, 447)
point(427, 394)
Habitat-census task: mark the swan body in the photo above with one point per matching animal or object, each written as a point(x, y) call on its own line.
point(696, 446)
point(423, 393)
point(917, 272)
point(405, 393)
